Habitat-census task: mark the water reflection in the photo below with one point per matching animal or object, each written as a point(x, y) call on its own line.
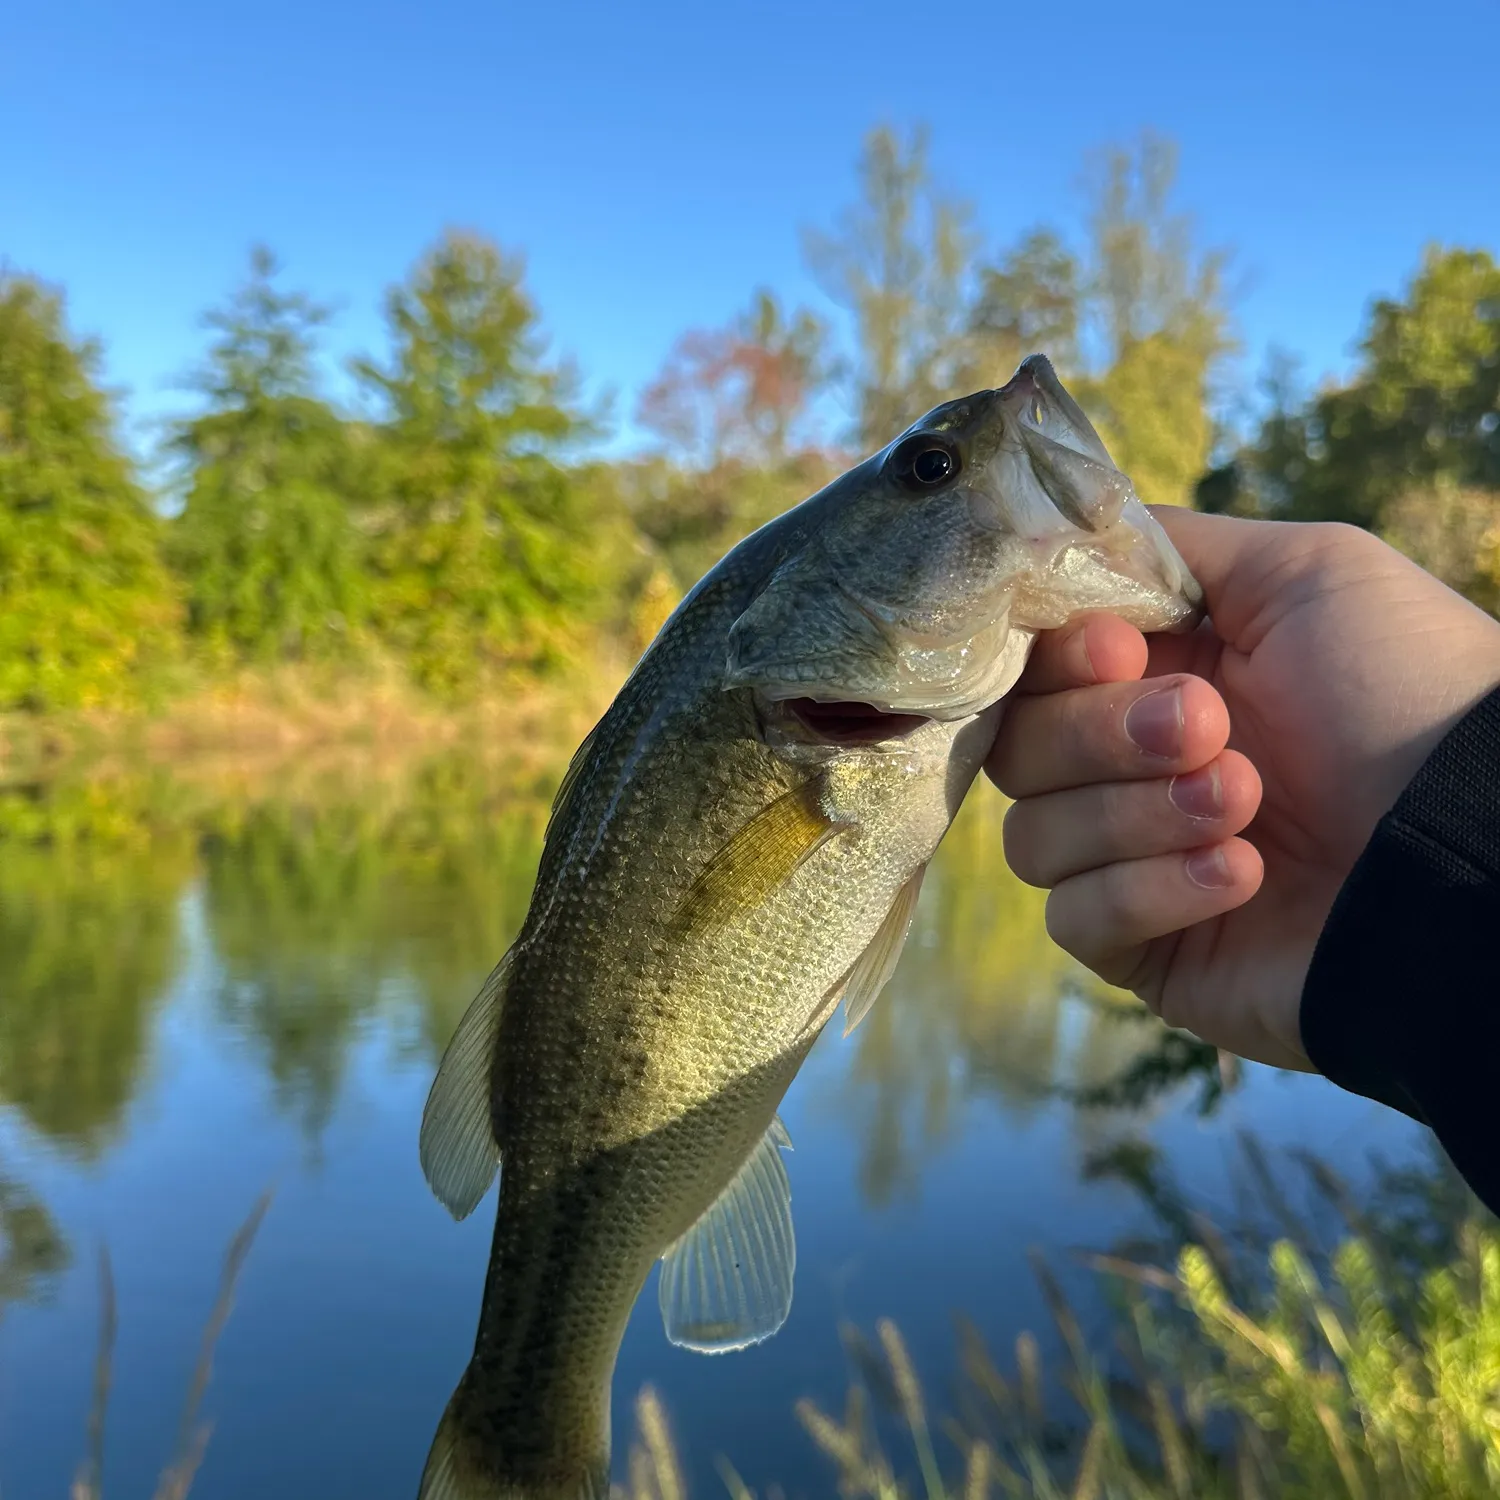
point(273, 960)
point(327, 907)
point(342, 892)
point(32, 1250)
point(974, 1011)
point(89, 881)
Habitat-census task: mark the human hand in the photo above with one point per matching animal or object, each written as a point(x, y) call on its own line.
point(1332, 669)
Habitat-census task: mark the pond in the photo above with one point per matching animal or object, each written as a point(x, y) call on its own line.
point(213, 986)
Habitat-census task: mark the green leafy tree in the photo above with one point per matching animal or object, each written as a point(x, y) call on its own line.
point(267, 543)
point(485, 556)
point(1426, 403)
point(1137, 322)
point(1420, 417)
point(901, 262)
point(1156, 322)
point(87, 609)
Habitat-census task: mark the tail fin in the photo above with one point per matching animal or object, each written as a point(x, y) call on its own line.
point(468, 1461)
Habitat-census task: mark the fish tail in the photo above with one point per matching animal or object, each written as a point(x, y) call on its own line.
point(471, 1460)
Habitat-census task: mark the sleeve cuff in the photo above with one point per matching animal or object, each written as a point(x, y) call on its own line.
point(1400, 1003)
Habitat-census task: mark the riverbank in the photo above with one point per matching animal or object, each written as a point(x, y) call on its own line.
point(264, 721)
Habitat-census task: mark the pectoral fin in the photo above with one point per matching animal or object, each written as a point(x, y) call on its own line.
point(758, 859)
point(727, 1282)
point(457, 1144)
point(873, 968)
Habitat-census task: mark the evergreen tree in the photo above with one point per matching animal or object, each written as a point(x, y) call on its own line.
point(484, 553)
point(87, 609)
point(267, 542)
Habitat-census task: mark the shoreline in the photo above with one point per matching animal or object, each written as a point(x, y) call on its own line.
point(258, 724)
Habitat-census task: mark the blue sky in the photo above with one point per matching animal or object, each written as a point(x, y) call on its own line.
point(656, 161)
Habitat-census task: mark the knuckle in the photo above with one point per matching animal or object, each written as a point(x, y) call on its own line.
point(1123, 900)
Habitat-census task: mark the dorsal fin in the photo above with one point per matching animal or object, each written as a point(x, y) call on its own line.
point(570, 779)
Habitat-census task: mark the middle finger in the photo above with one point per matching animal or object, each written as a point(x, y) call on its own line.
point(1115, 731)
point(1060, 834)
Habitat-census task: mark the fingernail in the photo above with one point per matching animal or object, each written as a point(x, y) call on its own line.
point(1154, 723)
point(1199, 794)
point(1208, 868)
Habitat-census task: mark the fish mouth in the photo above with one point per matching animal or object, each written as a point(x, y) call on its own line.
point(847, 722)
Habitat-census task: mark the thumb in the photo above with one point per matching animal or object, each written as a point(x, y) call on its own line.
point(1236, 560)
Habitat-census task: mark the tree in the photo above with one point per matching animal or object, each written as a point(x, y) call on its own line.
point(1029, 303)
point(901, 262)
point(731, 408)
point(1421, 417)
point(1155, 321)
point(1136, 323)
point(739, 393)
point(1453, 532)
point(87, 609)
point(1425, 405)
point(267, 542)
point(483, 549)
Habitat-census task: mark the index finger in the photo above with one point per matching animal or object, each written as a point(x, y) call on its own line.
point(1091, 649)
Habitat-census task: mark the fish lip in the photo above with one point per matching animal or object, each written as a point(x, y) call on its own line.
point(850, 721)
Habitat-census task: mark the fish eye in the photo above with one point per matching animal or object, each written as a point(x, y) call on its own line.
point(924, 461)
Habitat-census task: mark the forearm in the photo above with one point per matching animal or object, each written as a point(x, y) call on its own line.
point(1402, 1002)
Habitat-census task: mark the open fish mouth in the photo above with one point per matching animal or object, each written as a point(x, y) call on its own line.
point(848, 722)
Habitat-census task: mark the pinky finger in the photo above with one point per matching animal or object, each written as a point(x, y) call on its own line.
point(1106, 918)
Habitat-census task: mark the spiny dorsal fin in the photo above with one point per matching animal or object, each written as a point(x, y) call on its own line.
point(873, 968)
point(727, 1282)
point(758, 859)
point(457, 1143)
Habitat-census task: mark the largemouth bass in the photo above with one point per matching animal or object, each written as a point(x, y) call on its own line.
point(736, 847)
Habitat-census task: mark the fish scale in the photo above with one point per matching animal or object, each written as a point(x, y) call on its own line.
point(724, 862)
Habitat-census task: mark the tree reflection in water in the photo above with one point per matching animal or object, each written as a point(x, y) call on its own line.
point(338, 891)
point(984, 1004)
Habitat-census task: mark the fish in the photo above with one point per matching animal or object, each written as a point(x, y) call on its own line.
point(736, 849)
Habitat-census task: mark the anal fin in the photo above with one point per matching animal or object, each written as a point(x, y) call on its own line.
point(727, 1283)
point(457, 1143)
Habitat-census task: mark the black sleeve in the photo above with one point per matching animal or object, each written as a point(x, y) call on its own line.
point(1402, 1002)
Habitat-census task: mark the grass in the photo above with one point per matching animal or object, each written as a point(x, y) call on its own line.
point(193, 1432)
point(268, 717)
point(1241, 1366)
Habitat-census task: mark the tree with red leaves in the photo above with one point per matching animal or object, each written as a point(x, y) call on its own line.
point(740, 393)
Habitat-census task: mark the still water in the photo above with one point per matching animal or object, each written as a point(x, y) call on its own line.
point(216, 984)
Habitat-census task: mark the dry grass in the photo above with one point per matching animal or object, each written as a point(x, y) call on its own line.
point(257, 723)
point(193, 1432)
